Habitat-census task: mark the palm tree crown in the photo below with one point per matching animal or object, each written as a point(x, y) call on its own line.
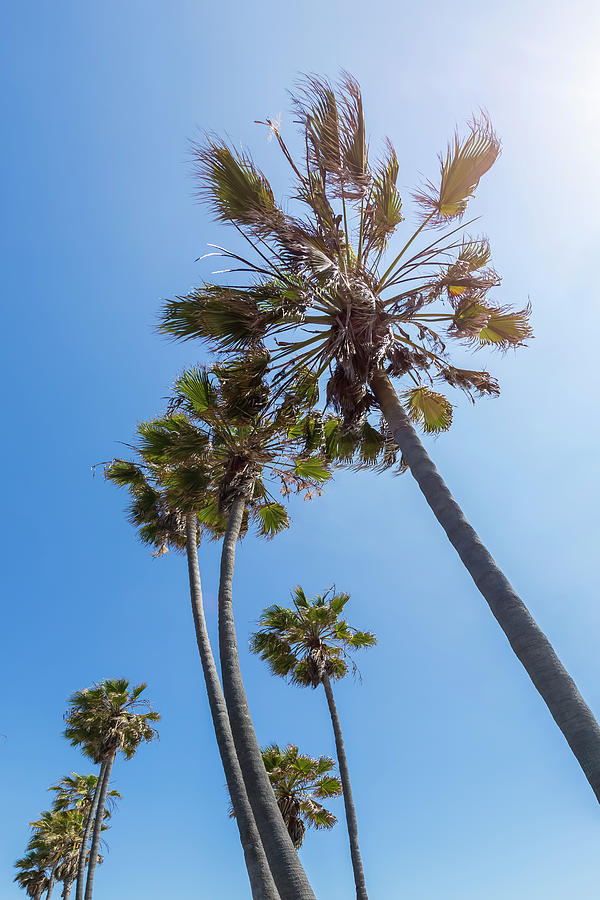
point(299, 783)
point(107, 717)
point(309, 641)
point(321, 296)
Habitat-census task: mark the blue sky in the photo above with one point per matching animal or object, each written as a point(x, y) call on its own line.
point(464, 787)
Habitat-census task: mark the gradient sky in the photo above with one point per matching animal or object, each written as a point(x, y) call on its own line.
point(465, 789)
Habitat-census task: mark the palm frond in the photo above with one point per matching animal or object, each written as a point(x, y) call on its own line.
point(466, 161)
point(431, 410)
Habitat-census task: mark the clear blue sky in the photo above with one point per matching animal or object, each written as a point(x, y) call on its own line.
point(464, 787)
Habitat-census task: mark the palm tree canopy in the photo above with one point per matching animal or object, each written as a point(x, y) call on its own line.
point(309, 641)
point(321, 296)
point(77, 792)
point(108, 717)
point(226, 435)
point(299, 783)
point(31, 873)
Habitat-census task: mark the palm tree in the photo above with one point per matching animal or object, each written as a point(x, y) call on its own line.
point(167, 528)
point(320, 283)
point(56, 839)
point(102, 720)
point(310, 645)
point(80, 792)
point(299, 782)
point(31, 874)
point(225, 437)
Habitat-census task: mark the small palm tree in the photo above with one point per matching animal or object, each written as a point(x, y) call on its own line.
point(322, 298)
point(56, 838)
point(79, 792)
point(299, 783)
point(102, 720)
point(31, 874)
point(310, 645)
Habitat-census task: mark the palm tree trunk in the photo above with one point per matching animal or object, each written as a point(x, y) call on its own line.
point(98, 827)
point(67, 890)
point(86, 834)
point(359, 875)
point(288, 873)
point(569, 710)
point(51, 882)
point(261, 880)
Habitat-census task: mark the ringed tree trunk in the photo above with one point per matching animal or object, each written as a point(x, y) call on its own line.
point(86, 834)
point(359, 875)
point(290, 877)
point(89, 887)
point(532, 647)
point(261, 880)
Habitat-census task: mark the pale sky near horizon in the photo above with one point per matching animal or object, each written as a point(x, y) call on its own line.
point(464, 787)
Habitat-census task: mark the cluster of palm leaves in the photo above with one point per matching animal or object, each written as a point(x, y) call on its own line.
point(331, 341)
point(64, 847)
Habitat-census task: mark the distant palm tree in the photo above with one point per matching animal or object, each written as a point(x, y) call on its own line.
point(322, 298)
point(57, 838)
point(310, 645)
point(299, 782)
point(31, 874)
point(102, 720)
point(79, 792)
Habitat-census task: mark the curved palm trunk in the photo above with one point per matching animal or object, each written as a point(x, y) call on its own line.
point(51, 883)
point(569, 710)
point(98, 827)
point(287, 870)
point(359, 875)
point(86, 834)
point(261, 880)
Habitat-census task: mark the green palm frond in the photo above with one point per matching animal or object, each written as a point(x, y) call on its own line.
point(431, 410)
point(234, 187)
point(506, 327)
point(272, 518)
point(466, 161)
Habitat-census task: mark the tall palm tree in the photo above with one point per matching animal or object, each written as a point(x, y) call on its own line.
point(103, 720)
point(227, 435)
point(299, 782)
point(165, 527)
point(323, 298)
point(310, 644)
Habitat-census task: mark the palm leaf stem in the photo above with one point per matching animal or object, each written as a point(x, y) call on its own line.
point(382, 281)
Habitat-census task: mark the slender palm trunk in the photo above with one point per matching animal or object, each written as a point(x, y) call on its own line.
point(261, 880)
point(288, 873)
point(359, 875)
point(67, 890)
point(86, 834)
point(569, 710)
point(51, 882)
point(89, 886)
